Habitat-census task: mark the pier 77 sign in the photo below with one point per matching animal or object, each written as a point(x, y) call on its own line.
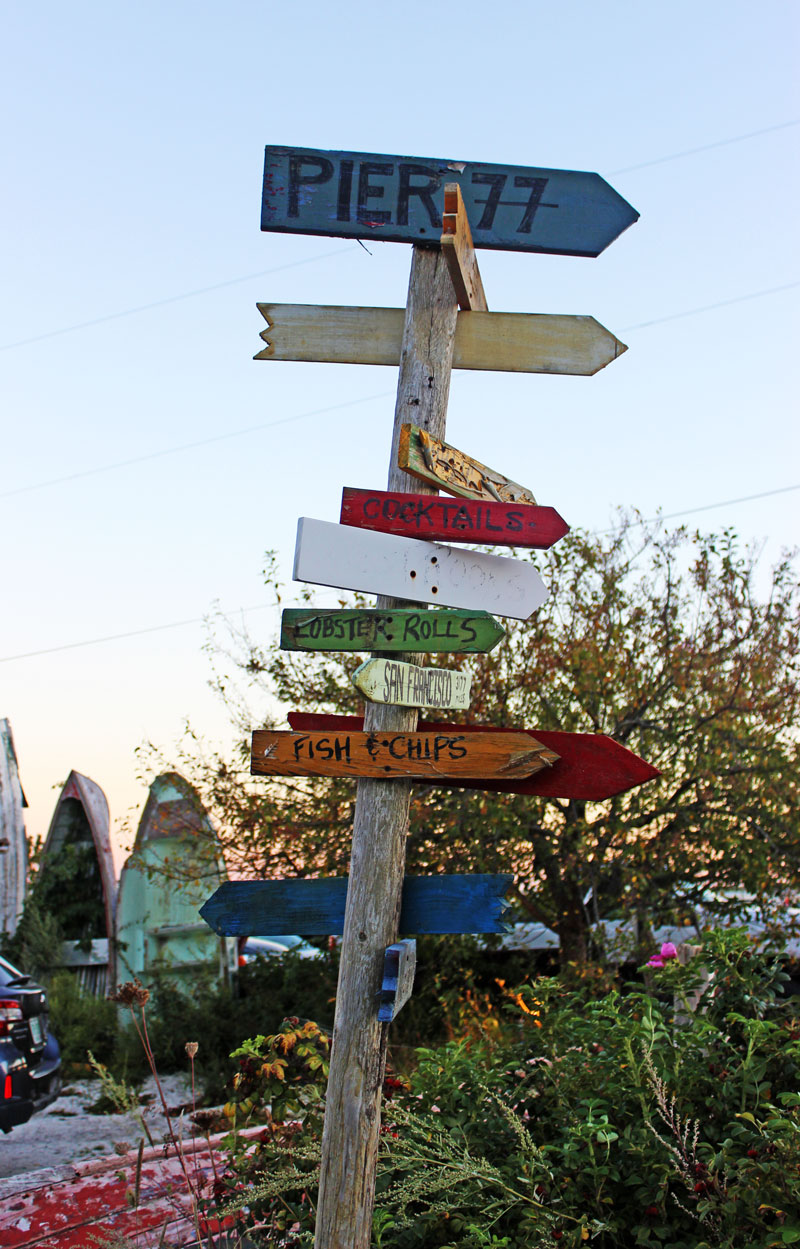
point(398, 199)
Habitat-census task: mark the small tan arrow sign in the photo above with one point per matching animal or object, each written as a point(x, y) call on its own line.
point(506, 342)
point(447, 468)
point(409, 685)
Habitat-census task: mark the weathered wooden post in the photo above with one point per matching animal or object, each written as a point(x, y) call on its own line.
point(358, 1057)
point(359, 195)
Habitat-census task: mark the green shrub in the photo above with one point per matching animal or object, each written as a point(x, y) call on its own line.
point(622, 1120)
point(81, 1022)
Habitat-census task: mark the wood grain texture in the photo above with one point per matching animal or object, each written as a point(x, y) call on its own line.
point(408, 685)
point(459, 253)
point(403, 629)
point(505, 342)
point(591, 766)
point(384, 754)
point(445, 467)
point(370, 195)
point(437, 519)
point(316, 908)
point(399, 966)
point(380, 827)
point(427, 572)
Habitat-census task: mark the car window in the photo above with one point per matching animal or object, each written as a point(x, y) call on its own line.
point(8, 972)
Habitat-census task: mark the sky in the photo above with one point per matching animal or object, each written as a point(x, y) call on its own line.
point(147, 462)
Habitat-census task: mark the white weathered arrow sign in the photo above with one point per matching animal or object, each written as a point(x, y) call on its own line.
point(408, 685)
point(507, 342)
point(424, 572)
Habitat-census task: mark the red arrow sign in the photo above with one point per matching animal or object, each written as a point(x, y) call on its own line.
point(452, 520)
point(590, 766)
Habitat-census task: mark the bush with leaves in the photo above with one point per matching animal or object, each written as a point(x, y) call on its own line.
point(622, 1120)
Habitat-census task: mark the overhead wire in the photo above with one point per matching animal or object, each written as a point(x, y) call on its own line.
point(176, 624)
point(284, 420)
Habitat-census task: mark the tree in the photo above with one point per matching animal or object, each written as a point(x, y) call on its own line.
point(659, 639)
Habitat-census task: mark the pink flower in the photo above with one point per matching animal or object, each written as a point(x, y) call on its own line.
point(655, 961)
point(668, 950)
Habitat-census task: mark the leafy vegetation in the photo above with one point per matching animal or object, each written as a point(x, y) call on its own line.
point(622, 1120)
point(661, 640)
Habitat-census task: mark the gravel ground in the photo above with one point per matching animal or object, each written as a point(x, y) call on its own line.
point(66, 1132)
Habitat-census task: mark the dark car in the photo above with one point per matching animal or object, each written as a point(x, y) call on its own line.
point(30, 1060)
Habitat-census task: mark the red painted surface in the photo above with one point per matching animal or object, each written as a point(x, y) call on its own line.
point(590, 767)
point(452, 520)
point(93, 1200)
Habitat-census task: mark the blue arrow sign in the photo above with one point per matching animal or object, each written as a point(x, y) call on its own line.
point(400, 199)
point(315, 908)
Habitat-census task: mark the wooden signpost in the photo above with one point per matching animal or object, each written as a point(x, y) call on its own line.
point(366, 629)
point(408, 685)
point(505, 342)
point(399, 198)
point(446, 208)
point(399, 965)
point(316, 908)
point(420, 516)
point(590, 768)
point(382, 755)
point(426, 572)
point(445, 467)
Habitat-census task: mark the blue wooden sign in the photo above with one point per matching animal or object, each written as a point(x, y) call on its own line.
point(399, 965)
point(315, 908)
point(401, 198)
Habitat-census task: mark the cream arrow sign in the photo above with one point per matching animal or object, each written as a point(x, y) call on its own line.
point(409, 685)
point(507, 342)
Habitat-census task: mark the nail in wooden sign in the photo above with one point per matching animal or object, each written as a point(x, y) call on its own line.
point(447, 468)
point(385, 754)
point(401, 629)
point(315, 908)
point(466, 520)
point(591, 767)
point(408, 685)
point(399, 965)
point(405, 568)
point(400, 198)
point(504, 342)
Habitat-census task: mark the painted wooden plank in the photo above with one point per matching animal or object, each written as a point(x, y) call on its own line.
point(89, 1203)
point(438, 464)
point(386, 754)
point(315, 908)
point(407, 685)
point(399, 198)
point(399, 965)
point(425, 572)
point(465, 520)
point(591, 766)
point(401, 629)
point(459, 252)
point(504, 342)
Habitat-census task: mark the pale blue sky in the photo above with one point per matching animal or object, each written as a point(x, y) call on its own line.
point(132, 148)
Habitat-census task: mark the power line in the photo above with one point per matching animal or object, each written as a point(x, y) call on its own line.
point(723, 303)
point(170, 299)
point(250, 429)
point(706, 147)
point(188, 446)
point(704, 507)
point(116, 637)
point(177, 624)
